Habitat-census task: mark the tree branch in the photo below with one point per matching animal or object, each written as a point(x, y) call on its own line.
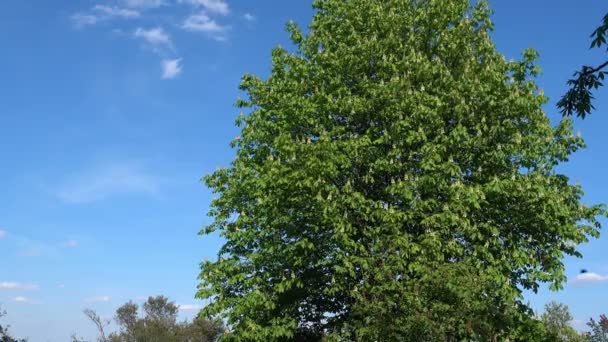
point(594, 70)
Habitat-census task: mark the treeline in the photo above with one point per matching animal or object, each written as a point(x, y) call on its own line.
point(156, 321)
point(557, 320)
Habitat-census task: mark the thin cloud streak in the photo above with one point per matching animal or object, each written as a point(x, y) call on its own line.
point(100, 13)
point(13, 285)
point(82, 19)
point(189, 307)
point(143, 3)
point(110, 11)
point(107, 181)
point(98, 299)
point(24, 300)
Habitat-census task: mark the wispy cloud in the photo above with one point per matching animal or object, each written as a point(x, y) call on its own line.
point(70, 244)
point(212, 6)
point(143, 3)
point(113, 11)
point(589, 278)
point(106, 181)
point(249, 17)
point(189, 307)
point(24, 300)
point(13, 285)
point(98, 299)
point(2, 234)
point(83, 19)
point(171, 68)
point(154, 36)
point(101, 13)
point(203, 23)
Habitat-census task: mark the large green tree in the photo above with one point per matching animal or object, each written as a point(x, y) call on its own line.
point(393, 172)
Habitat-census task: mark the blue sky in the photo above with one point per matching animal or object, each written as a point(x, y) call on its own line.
point(112, 110)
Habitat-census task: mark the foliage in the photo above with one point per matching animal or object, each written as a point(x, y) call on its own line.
point(556, 319)
point(158, 324)
point(4, 334)
point(599, 329)
point(393, 172)
point(578, 99)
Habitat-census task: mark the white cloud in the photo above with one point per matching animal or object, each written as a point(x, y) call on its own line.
point(171, 68)
point(20, 299)
point(106, 181)
point(2, 234)
point(60, 286)
point(98, 299)
point(83, 19)
point(590, 277)
point(154, 36)
point(110, 11)
point(189, 307)
point(202, 23)
point(213, 6)
point(144, 3)
point(101, 13)
point(12, 285)
point(249, 17)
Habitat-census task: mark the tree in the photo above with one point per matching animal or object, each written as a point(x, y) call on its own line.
point(160, 309)
point(556, 319)
point(157, 324)
point(395, 142)
point(578, 99)
point(599, 329)
point(100, 323)
point(4, 334)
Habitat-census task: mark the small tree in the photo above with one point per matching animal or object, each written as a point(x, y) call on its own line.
point(557, 319)
point(100, 323)
point(4, 334)
point(599, 329)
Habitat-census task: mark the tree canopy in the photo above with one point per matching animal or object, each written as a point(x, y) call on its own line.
point(393, 172)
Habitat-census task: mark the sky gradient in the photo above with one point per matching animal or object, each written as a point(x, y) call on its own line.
point(112, 110)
